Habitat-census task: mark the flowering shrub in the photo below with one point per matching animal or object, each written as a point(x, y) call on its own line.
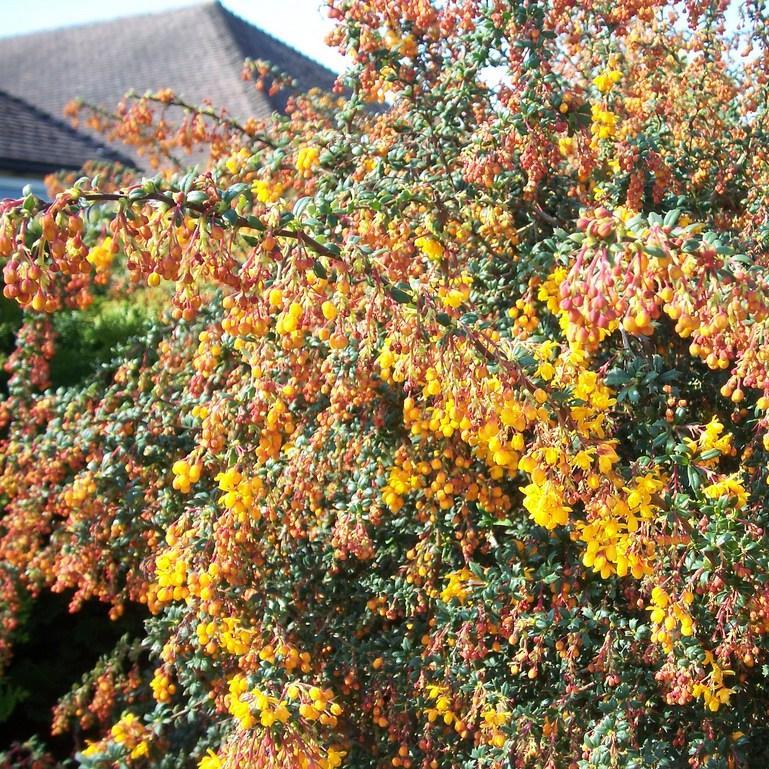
point(450, 447)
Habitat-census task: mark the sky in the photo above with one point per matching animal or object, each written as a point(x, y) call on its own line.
point(299, 23)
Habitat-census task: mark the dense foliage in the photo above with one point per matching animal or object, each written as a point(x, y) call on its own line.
point(449, 447)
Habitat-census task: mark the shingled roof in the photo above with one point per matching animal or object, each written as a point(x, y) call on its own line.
point(35, 142)
point(197, 51)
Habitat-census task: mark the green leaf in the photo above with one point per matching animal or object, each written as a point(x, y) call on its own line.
point(319, 269)
point(671, 217)
point(695, 479)
point(401, 296)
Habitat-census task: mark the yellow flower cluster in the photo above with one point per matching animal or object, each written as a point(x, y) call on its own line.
point(162, 686)
point(279, 422)
point(729, 486)
point(244, 703)
point(316, 704)
point(185, 474)
point(613, 543)
point(445, 420)
point(102, 254)
point(500, 441)
point(210, 761)
point(457, 292)
point(267, 192)
point(171, 576)
point(493, 719)
point(711, 439)
point(227, 634)
point(405, 45)
point(240, 494)
point(549, 290)
point(443, 479)
point(566, 145)
point(666, 615)
point(287, 655)
point(237, 161)
point(524, 315)
point(607, 79)
point(604, 124)
point(554, 460)
point(132, 734)
point(399, 484)
point(712, 689)
point(430, 247)
point(83, 487)
point(460, 585)
point(208, 352)
point(332, 759)
point(306, 160)
point(545, 504)
point(495, 223)
point(596, 400)
point(289, 321)
point(202, 584)
point(387, 361)
point(441, 707)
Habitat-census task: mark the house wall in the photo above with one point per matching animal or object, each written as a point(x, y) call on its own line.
point(11, 186)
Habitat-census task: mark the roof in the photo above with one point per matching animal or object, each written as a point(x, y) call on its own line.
point(33, 141)
point(196, 51)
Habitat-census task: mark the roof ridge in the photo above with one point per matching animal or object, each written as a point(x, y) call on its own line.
point(219, 5)
point(233, 51)
point(109, 152)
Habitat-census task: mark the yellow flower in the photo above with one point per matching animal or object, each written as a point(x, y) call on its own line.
point(237, 161)
point(728, 486)
point(92, 748)
point(329, 310)
point(582, 459)
point(141, 749)
point(430, 247)
point(712, 437)
point(100, 255)
point(566, 145)
point(604, 122)
point(333, 758)
point(454, 298)
point(459, 584)
point(132, 735)
point(307, 160)
point(712, 689)
point(210, 761)
point(494, 717)
point(545, 504)
point(606, 80)
point(266, 192)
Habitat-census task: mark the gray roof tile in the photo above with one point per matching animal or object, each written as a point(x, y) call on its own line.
point(33, 141)
point(197, 51)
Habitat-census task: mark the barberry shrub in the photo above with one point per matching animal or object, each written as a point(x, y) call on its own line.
point(448, 445)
